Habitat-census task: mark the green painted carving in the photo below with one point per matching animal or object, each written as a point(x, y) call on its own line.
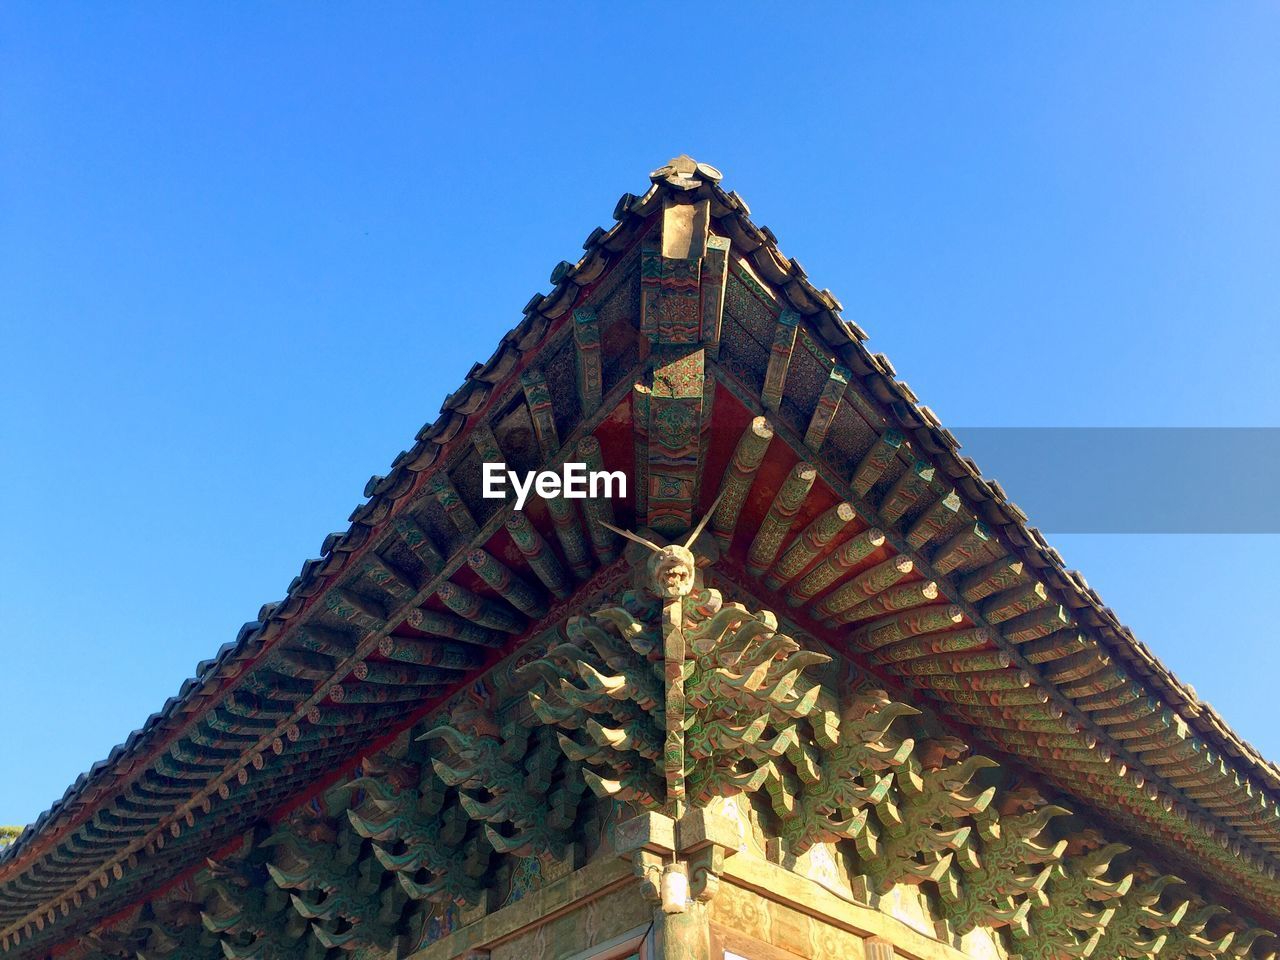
point(846, 773)
point(174, 932)
point(337, 890)
point(1138, 928)
point(509, 778)
point(161, 930)
point(1241, 945)
point(1004, 865)
point(418, 830)
point(1068, 917)
point(744, 699)
point(921, 826)
point(250, 915)
point(605, 684)
point(750, 718)
point(1189, 938)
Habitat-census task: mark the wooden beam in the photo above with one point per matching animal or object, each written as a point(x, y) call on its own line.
point(395, 674)
point(365, 612)
point(736, 484)
point(337, 643)
point(387, 578)
point(907, 490)
point(972, 543)
point(568, 528)
point(477, 609)
point(812, 541)
point(876, 461)
point(304, 663)
point(784, 342)
point(454, 628)
point(824, 412)
point(506, 584)
point(586, 340)
point(990, 579)
point(930, 644)
point(933, 521)
point(1035, 624)
point(1076, 667)
point(715, 271)
point(542, 561)
point(843, 559)
point(416, 540)
point(455, 508)
point(954, 661)
point(1055, 646)
point(782, 513)
point(902, 597)
point(1017, 600)
point(538, 398)
point(865, 586)
point(430, 653)
point(376, 693)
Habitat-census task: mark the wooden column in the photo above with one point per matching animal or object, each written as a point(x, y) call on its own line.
point(682, 936)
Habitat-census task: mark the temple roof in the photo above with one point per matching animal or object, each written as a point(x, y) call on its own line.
point(158, 803)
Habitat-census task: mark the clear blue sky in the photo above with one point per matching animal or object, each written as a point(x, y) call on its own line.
point(246, 250)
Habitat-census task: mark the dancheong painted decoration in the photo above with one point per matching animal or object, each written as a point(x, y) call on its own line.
point(813, 688)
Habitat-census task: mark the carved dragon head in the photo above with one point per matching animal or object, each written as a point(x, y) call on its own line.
point(672, 570)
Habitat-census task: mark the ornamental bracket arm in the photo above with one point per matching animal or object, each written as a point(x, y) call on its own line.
point(649, 842)
point(701, 839)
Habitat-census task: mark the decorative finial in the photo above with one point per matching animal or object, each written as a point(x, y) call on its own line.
point(684, 170)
